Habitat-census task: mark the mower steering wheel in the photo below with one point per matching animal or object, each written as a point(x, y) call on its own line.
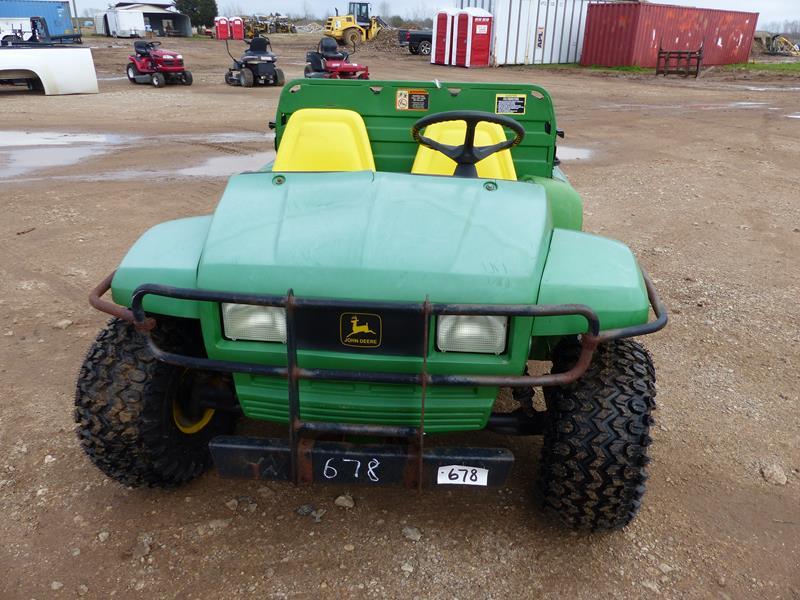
point(467, 154)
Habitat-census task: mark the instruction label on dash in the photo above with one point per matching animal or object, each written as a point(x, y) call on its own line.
point(412, 100)
point(510, 104)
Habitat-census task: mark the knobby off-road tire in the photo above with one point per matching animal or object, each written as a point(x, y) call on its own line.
point(125, 408)
point(595, 446)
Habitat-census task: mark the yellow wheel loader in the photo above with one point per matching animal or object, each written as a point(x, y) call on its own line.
point(356, 27)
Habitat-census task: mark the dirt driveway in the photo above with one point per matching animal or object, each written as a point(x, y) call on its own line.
point(701, 178)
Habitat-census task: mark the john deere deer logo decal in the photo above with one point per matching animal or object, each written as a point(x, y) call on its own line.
point(361, 330)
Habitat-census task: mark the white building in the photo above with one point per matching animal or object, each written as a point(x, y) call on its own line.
point(130, 19)
point(528, 32)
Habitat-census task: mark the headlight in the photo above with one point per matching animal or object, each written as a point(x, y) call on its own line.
point(256, 323)
point(472, 333)
point(179, 57)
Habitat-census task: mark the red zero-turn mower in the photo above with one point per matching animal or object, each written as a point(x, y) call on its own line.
point(149, 64)
point(328, 62)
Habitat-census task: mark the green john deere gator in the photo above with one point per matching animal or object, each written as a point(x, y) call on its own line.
point(411, 248)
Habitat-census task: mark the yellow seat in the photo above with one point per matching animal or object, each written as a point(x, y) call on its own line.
point(497, 166)
point(317, 139)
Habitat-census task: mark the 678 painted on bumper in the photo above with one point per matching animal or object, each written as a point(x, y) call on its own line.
point(340, 462)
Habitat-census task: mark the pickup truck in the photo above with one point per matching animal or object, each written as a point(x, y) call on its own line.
point(419, 41)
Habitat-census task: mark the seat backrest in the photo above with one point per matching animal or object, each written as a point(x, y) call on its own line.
point(258, 44)
point(324, 140)
point(497, 166)
point(330, 49)
point(141, 47)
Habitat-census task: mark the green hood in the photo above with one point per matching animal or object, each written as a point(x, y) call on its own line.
point(378, 236)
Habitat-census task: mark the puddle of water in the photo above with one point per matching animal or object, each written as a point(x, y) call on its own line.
point(112, 78)
point(752, 88)
point(14, 139)
point(747, 104)
point(795, 116)
point(571, 153)
point(23, 160)
point(237, 136)
point(23, 151)
point(225, 166)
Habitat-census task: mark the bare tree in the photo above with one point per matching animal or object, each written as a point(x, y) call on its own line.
point(233, 9)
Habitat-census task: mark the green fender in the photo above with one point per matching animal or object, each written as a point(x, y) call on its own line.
point(167, 254)
point(587, 269)
point(566, 205)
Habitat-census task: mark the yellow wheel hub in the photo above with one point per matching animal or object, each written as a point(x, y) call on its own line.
point(188, 425)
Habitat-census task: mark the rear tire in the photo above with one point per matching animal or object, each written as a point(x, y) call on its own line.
point(424, 48)
point(158, 80)
point(246, 77)
point(131, 409)
point(132, 72)
point(595, 446)
point(187, 78)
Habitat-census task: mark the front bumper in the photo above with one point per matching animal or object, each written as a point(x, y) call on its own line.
point(297, 459)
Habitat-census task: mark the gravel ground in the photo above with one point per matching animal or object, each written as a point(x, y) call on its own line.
point(701, 178)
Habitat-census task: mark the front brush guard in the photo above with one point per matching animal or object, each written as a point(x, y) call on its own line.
point(301, 464)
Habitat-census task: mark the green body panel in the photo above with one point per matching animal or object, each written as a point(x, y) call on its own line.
point(398, 237)
point(447, 409)
point(392, 236)
point(566, 206)
point(587, 269)
point(389, 129)
point(168, 254)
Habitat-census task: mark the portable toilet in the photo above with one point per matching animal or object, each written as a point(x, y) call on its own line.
point(472, 38)
point(237, 28)
point(442, 51)
point(221, 28)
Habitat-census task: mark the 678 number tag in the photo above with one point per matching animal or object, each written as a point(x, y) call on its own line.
point(462, 475)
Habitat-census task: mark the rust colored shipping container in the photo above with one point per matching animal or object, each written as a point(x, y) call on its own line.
point(629, 34)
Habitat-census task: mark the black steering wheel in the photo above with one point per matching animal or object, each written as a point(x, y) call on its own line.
point(467, 154)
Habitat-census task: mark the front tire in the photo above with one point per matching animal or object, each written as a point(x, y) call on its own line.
point(352, 37)
point(187, 78)
point(158, 80)
point(134, 413)
point(595, 446)
point(280, 78)
point(246, 77)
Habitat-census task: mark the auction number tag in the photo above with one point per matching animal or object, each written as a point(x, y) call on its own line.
point(462, 475)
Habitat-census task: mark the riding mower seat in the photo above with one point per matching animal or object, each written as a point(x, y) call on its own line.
point(259, 46)
point(142, 48)
point(329, 50)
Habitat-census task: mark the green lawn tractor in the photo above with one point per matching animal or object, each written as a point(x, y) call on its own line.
point(411, 249)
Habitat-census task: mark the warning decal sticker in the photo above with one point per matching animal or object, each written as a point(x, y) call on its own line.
point(412, 100)
point(510, 104)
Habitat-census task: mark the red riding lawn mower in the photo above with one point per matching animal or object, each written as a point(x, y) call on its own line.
point(149, 64)
point(327, 62)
